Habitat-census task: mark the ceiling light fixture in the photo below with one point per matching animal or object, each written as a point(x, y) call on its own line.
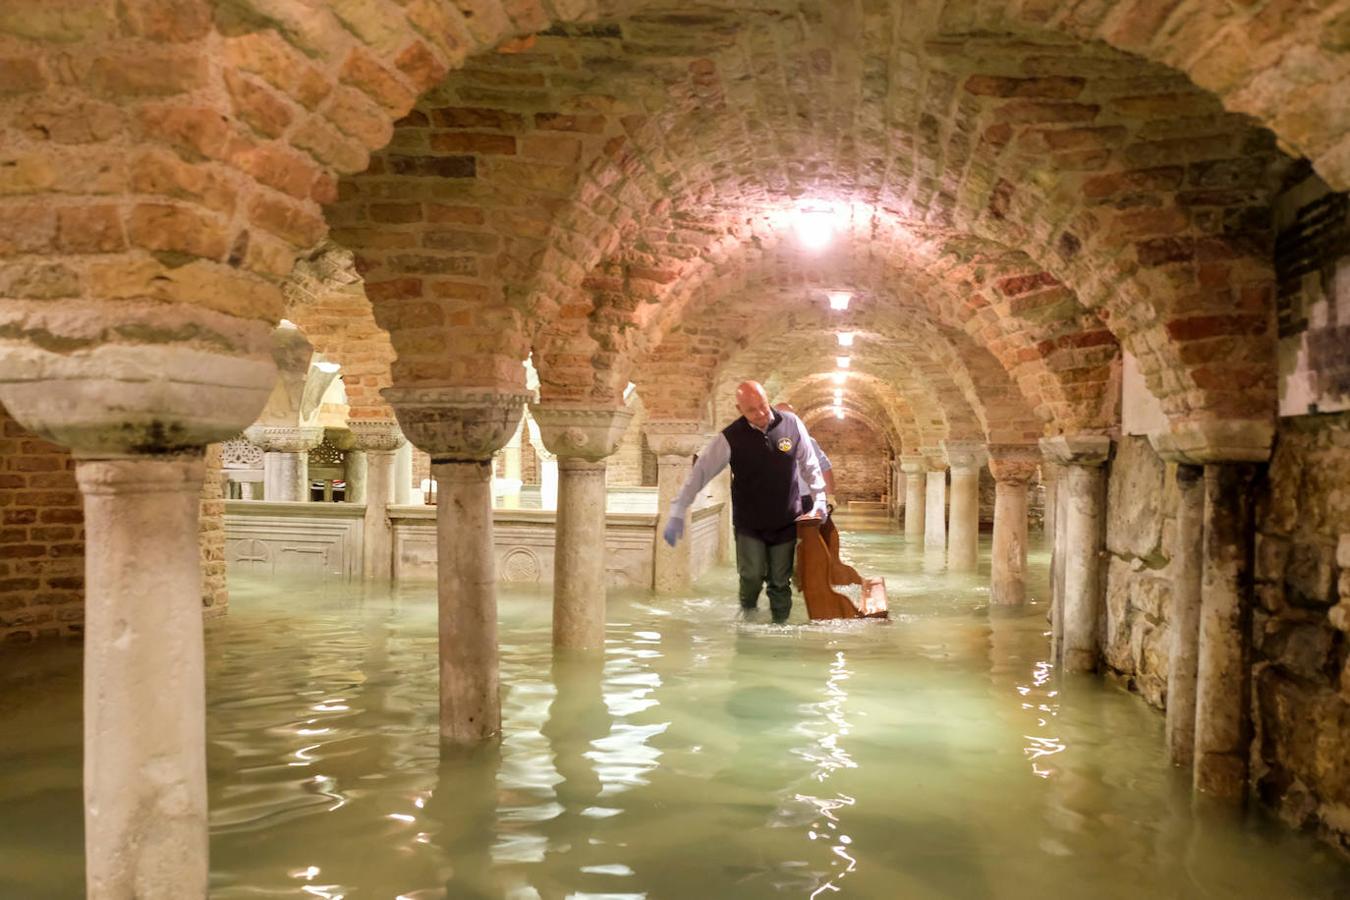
point(845, 339)
point(328, 368)
point(842, 361)
point(838, 395)
point(839, 377)
point(839, 299)
point(815, 227)
point(838, 412)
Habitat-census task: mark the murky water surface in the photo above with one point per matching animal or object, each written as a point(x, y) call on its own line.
point(937, 756)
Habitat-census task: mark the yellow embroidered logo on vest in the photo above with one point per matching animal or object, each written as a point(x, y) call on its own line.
point(784, 444)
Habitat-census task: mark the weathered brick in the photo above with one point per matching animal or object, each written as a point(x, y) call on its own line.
point(175, 228)
point(90, 229)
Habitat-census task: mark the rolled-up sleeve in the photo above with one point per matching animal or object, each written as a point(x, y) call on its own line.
point(713, 459)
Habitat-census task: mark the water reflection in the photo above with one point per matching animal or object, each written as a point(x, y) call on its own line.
point(937, 756)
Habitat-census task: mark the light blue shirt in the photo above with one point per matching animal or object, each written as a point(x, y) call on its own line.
point(715, 456)
point(825, 466)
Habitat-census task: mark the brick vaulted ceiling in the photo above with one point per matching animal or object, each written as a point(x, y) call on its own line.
point(1022, 189)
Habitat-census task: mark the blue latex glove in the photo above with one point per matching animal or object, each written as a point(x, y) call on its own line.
point(674, 530)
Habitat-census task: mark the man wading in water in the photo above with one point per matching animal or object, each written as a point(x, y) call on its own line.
point(765, 449)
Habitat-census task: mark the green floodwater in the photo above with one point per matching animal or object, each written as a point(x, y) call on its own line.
point(936, 756)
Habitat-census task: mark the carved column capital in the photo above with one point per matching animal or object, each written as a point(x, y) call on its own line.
point(375, 435)
point(1014, 462)
point(676, 437)
point(581, 432)
point(170, 377)
point(964, 456)
point(285, 438)
point(457, 424)
point(1214, 441)
point(913, 465)
point(1077, 449)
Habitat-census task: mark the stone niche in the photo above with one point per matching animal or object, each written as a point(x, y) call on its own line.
point(1140, 527)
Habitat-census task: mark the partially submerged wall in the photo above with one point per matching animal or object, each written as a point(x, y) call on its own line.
point(862, 466)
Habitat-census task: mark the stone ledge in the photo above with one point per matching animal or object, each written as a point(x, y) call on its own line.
point(1201, 442)
point(1077, 450)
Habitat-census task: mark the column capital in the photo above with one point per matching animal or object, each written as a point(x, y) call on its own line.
point(457, 424)
point(88, 387)
point(1214, 441)
point(581, 432)
point(675, 437)
point(964, 456)
point(1077, 449)
point(375, 435)
point(1014, 462)
point(285, 438)
point(913, 465)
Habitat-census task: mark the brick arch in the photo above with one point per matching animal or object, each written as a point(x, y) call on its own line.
point(325, 300)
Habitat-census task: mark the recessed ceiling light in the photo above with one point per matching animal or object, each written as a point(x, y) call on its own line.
point(845, 338)
point(815, 227)
point(839, 377)
point(842, 361)
point(838, 412)
point(839, 299)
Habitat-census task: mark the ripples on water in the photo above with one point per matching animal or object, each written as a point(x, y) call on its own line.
point(937, 755)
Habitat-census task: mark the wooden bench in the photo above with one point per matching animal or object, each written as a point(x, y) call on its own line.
point(820, 570)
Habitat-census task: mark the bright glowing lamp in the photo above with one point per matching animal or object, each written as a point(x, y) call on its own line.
point(328, 368)
point(815, 227)
point(839, 299)
point(845, 338)
point(839, 377)
point(838, 395)
point(843, 361)
point(838, 412)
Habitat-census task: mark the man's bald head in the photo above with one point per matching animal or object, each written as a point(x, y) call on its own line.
point(752, 401)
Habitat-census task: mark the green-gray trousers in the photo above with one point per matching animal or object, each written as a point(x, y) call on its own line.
point(758, 562)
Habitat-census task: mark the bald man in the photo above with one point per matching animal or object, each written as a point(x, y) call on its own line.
point(766, 449)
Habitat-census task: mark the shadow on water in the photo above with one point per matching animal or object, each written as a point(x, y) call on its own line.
point(938, 755)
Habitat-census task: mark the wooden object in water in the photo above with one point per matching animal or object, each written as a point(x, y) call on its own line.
point(819, 570)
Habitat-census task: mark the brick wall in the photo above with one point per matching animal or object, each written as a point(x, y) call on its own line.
point(624, 468)
point(41, 538)
point(860, 456)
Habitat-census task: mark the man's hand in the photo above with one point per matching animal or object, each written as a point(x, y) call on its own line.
point(812, 516)
point(674, 530)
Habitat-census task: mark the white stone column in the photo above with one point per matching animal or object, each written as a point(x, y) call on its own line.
point(963, 540)
point(674, 442)
point(1223, 677)
point(1185, 619)
point(1013, 467)
point(403, 470)
point(357, 470)
point(461, 428)
point(285, 459)
point(1083, 522)
point(582, 438)
point(378, 440)
point(144, 711)
point(1055, 516)
point(138, 447)
point(916, 488)
point(935, 512)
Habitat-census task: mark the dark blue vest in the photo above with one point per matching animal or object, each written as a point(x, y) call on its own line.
point(764, 497)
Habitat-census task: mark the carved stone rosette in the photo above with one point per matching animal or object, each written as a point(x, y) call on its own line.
point(964, 456)
point(375, 435)
point(676, 437)
point(1214, 441)
point(285, 438)
point(1077, 449)
point(1014, 462)
point(457, 424)
point(580, 432)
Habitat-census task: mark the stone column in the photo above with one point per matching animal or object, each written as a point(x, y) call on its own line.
point(403, 469)
point(1055, 526)
point(1013, 467)
point(674, 442)
point(1185, 618)
point(512, 470)
point(138, 441)
point(1223, 677)
point(915, 469)
point(357, 470)
point(461, 428)
point(582, 438)
point(963, 540)
point(935, 512)
point(285, 459)
point(378, 440)
point(1083, 520)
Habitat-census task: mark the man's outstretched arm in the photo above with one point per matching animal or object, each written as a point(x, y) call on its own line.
point(711, 460)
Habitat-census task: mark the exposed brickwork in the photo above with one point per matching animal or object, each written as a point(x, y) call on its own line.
point(41, 538)
point(859, 454)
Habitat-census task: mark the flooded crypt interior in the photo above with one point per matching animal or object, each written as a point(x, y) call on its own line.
point(365, 366)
